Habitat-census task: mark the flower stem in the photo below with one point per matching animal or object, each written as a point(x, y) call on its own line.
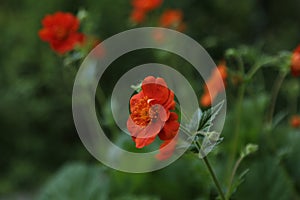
point(253, 71)
point(232, 177)
point(239, 108)
point(275, 91)
point(214, 177)
point(257, 66)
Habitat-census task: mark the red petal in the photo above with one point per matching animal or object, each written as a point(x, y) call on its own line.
point(69, 21)
point(133, 128)
point(63, 46)
point(142, 142)
point(155, 89)
point(170, 18)
point(144, 135)
point(163, 113)
point(76, 38)
point(171, 127)
point(295, 63)
point(297, 50)
point(170, 103)
point(205, 100)
point(166, 149)
point(152, 129)
point(45, 35)
point(48, 21)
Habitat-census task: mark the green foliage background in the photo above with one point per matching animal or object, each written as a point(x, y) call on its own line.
point(37, 132)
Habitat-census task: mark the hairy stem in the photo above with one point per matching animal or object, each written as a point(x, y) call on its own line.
point(274, 95)
point(214, 178)
point(238, 162)
point(241, 95)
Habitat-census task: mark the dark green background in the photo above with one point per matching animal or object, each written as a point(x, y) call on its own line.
point(37, 132)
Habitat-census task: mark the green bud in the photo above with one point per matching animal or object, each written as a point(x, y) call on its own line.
point(249, 149)
point(230, 52)
point(82, 14)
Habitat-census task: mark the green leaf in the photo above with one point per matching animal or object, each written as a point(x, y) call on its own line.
point(210, 138)
point(239, 181)
point(194, 122)
point(77, 182)
point(209, 142)
point(266, 180)
point(208, 116)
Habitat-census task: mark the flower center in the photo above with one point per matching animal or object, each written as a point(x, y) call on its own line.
point(61, 33)
point(143, 113)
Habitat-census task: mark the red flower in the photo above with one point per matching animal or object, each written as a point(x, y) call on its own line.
point(151, 114)
point(60, 30)
point(146, 5)
point(172, 19)
point(166, 149)
point(141, 7)
point(295, 62)
point(295, 121)
point(214, 85)
point(138, 16)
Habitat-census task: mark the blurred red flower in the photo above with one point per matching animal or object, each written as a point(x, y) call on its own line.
point(295, 62)
point(60, 30)
point(151, 114)
point(172, 19)
point(214, 85)
point(295, 121)
point(141, 8)
point(138, 16)
point(146, 5)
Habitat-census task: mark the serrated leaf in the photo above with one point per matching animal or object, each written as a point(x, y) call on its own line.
point(194, 122)
point(208, 116)
point(239, 181)
point(278, 118)
point(209, 142)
